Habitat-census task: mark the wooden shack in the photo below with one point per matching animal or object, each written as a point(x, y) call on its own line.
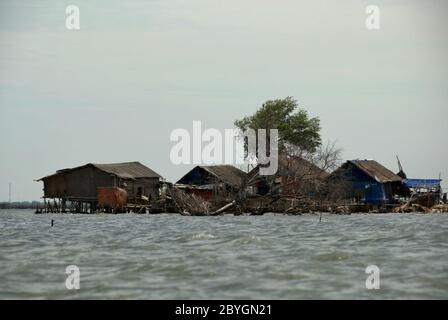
point(211, 182)
point(295, 176)
point(79, 185)
point(367, 181)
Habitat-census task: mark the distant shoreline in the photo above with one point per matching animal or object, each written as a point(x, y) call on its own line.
point(21, 205)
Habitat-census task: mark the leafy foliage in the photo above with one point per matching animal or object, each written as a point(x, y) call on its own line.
point(295, 128)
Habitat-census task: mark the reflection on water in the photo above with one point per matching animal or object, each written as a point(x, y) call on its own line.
point(263, 257)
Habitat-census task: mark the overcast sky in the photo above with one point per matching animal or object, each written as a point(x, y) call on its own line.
point(114, 90)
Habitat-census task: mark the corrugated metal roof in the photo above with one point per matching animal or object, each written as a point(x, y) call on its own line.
point(126, 170)
point(376, 171)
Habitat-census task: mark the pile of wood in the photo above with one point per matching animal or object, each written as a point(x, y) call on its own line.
point(193, 205)
point(189, 204)
point(297, 205)
point(411, 207)
point(415, 207)
point(440, 208)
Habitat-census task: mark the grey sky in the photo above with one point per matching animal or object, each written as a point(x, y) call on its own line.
point(114, 90)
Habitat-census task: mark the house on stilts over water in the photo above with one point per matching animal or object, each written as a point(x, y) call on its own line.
point(89, 187)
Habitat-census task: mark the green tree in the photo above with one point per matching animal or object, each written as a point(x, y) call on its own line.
point(296, 130)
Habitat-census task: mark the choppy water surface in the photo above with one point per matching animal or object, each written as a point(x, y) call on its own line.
point(264, 257)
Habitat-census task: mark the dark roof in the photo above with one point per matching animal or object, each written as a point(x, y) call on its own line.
point(127, 170)
point(376, 171)
point(227, 173)
point(293, 166)
point(224, 173)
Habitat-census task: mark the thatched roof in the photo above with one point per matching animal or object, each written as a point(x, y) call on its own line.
point(292, 166)
point(223, 173)
point(227, 173)
point(376, 171)
point(126, 170)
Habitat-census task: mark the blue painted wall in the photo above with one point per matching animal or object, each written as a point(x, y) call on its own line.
point(371, 191)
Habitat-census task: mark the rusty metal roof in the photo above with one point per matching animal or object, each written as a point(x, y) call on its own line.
point(126, 170)
point(376, 171)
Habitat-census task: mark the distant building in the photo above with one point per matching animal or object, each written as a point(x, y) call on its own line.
point(294, 176)
point(367, 181)
point(81, 183)
point(208, 182)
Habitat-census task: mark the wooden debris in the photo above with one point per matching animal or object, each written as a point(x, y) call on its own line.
point(227, 206)
point(189, 204)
